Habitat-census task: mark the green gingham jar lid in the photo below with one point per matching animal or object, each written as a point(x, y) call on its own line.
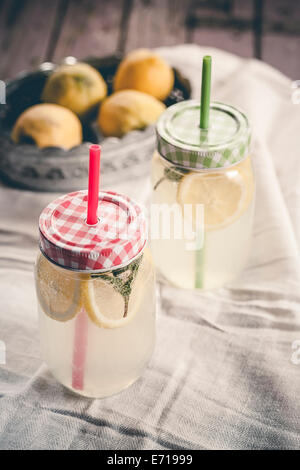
point(181, 141)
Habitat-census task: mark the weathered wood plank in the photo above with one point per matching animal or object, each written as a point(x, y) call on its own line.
point(31, 30)
point(223, 24)
point(226, 14)
point(91, 28)
point(243, 9)
point(282, 52)
point(154, 23)
point(57, 27)
point(231, 41)
point(282, 16)
point(25, 29)
point(280, 43)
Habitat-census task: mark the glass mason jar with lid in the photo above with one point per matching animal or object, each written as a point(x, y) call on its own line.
point(205, 179)
point(96, 293)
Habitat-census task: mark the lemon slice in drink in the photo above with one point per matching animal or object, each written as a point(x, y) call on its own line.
point(224, 195)
point(59, 296)
point(112, 299)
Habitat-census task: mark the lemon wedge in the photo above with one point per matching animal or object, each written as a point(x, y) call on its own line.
point(224, 195)
point(59, 295)
point(112, 299)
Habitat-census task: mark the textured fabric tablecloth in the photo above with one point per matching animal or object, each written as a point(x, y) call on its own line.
point(222, 375)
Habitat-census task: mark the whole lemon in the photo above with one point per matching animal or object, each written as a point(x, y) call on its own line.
point(145, 71)
point(48, 125)
point(126, 110)
point(78, 87)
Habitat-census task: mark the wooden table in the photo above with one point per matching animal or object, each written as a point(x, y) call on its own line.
point(34, 31)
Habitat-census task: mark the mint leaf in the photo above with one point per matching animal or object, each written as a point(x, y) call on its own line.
point(172, 174)
point(122, 280)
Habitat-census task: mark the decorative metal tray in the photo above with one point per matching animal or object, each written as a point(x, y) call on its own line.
point(55, 169)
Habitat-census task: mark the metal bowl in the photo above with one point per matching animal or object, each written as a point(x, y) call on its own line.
point(55, 169)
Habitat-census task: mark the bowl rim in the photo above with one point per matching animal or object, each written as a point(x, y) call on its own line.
point(47, 67)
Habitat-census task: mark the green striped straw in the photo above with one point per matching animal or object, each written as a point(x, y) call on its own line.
point(204, 124)
point(205, 92)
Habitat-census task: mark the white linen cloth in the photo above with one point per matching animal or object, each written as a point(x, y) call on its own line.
point(222, 375)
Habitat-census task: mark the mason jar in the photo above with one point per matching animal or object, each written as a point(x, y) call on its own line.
point(202, 196)
point(96, 294)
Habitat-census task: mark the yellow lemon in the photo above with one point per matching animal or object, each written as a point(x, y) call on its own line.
point(48, 125)
point(78, 87)
point(128, 110)
point(145, 71)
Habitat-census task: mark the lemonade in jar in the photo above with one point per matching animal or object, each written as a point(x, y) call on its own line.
point(96, 293)
point(207, 175)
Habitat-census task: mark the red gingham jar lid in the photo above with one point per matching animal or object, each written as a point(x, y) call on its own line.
point(67, 240)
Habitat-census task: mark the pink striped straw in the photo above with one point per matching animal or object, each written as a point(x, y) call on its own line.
point(79, 352)
point(81, 322)
point(93, 192)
